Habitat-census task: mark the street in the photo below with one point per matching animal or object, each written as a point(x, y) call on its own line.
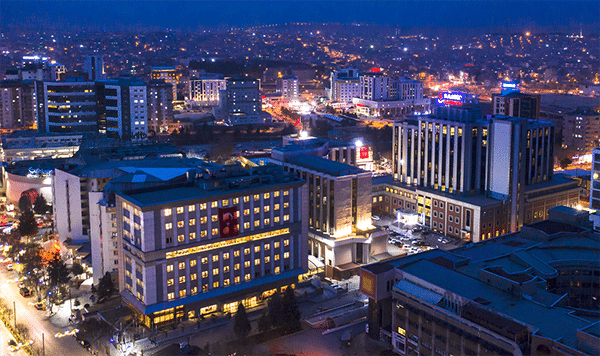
point(5, 336)
point(37, 321)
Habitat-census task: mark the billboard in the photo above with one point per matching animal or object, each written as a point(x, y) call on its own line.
point(364, 152)
point(451, 98)
point(368, 284)
point(509, 87)
point(228, 222)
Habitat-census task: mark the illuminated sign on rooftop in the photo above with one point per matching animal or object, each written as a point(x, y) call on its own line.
point(508, 87)
point(451, 98)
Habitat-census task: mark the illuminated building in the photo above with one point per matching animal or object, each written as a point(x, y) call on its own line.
point(240, 104)
point(344, 85)
point(94, 67)
point(67, 106)
point(227, 235)
point(517, 104)
point(384, 96)
point(17, 104)
point(287, 86)
point(526, 293)
point(160, 106)
point(122, 108)
point(205, 88)
point(595, 189)
point(581, 129)
point(166, 74)
point(23, 145)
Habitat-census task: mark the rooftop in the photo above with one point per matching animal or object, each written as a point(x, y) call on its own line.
point(333, 168)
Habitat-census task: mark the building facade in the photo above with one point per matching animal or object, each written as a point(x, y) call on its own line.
point(287, 86)
point(517, 104)
point(581, 130)
point(17, 104)
point(205, 88)
point(166, 74)
point(160, 106)
point(223, 238)
point(344, 85)
point(94, 67)
point(595, 189)
point(385, 96)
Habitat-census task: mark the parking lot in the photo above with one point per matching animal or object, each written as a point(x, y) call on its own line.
point(413, 238)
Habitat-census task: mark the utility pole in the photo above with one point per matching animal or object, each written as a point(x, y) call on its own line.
point(15, 314)
point(43, 346)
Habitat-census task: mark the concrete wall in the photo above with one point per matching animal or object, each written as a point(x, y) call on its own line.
point(67, 206)
point(16, 184)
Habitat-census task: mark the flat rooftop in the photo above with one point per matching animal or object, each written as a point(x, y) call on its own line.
point(333, 168)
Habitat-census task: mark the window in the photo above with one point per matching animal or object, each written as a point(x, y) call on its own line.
point(286, 217)
point(194, 292)
point(246, 225)
point(257, 261)
point(203, 206)
point(246, 263)
point(236, 200)
point(180, 224)
point(181, 265)
point(225, 269)
point(182, 279)
point(192, 222)
point(193, 276)
point(192, 263)
point(277, 269)
point(225, 255)
point(276, 257)
point(276, 244)
point(267, 208)
point(267, 222)
point(180, 210)
point(286, 205)
point(236, 267)
point(246, 251)
point(256, 197)
point(215, 258)
point(169, 240)
point(180, 238)
point(267, 247)
point(204, 274)
point(247, 277)
point(286, 242)
point(215, 271)
point(286, 192)
point(267, 259)
point(276, 207)
point(236, 253)
point(168, 226)
point(215, 231)
point(267, 195)
point(256, 210)
point(204, 260)
point(203, 233)
point(256, 223)
point(246, 199)
point(170, 282)
point(182, 293)
point(236, 279)
point(226, 282)
point(203, 219)
point(171, 296)
point(169, 268)
point(168, 212)
point(225, 202)
point(205, 287)
point(214, 204)
point(276, 193)
point(246, 211)
point(214, 218)
point(191, 208)
point(286, 255)
point(192, 235)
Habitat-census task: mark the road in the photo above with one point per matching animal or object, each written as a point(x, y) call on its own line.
point(5, 336)
point(37, 321)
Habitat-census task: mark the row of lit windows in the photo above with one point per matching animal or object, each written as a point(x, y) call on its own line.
point(215, 231)
point(224, 202)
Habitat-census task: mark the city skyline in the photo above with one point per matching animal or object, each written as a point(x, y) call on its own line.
point(190, 15)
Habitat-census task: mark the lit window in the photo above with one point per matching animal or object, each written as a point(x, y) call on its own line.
point(204, 260)
point(192, 263)
point(215, 218)
point(286, 255)
point(256, 196)
point(236, 200)
point(182, 293)
point(180, 224)
point(215, 258)
point(215, 271)
point(267, 208)
point(226, 282)
point(168, 226)
point(246, 263)
point(277, 269)
point(246, 225)
point(276, 219)
point(192, 208)
point(237, 279)
point(171, 296)
point(256, 248)
point(267, 195)
point(214, 204)
point(236, 267)
point(276, 257)
point(256, 210)
point(193, 276)
point(236, 253)
point(276, 193)
point(194, 292)
point(215, 231)
point(192, 222)
point(180, 210)
point(168, 212)
point(203, 206)
point(246, 211)
point(286, 242)
point(225, 269)
point(205, 287)
point(170, 282)
point(192, 235)
point(203, 219)
point(276, 207)
point(286, 192)
point(169, 268)
point(246, 251)
point(247, 277)
point(267, 247)
point(203, 233)
point(267, 259)
point(182, 279)
point(204, 274)
point(181, 265)
point(276, 244)
point(180, 238)
point(246, 199)
point(267, 221)
point(286, 205)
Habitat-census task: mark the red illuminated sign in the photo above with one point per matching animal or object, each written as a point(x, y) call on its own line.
point(375, 70)
point(228, 222)
point(364, 153)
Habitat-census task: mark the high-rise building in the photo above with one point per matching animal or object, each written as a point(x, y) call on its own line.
point(240, 103)
point(287, 86)
point(205, 88)
point(344, 85)
point(595, 189)
point(67, 106)
point(122, 108)
point(581, 129)
point(517, 104)
point(160, 106)
point(94, 67)
point(17, 104)
point(166, 74)
point(226, 236)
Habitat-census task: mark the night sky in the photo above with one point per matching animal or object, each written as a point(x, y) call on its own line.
point(205, 14)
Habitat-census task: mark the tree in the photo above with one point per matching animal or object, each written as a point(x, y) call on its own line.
point(275, 310)
point(241, 325)
point(291, 311)
point(77, 269)
point(58, 272)
point(106, 287)
point(27, 224)
point(33, 265)
point(24, 203)
point(565, 162)
point(40, 206)
point(263, 322)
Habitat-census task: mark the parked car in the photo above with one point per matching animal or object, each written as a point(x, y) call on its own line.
point(25, 292)
point(9, 267)
point(39, 306)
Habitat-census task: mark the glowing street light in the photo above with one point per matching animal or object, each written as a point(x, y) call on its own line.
point(358, 143)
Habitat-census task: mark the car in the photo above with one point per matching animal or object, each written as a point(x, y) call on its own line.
point(375, 217)
point(13, 346)
point(440, 238)
point(39, 306)
point(9, 267)
point(406, 246)
point(25, 292)
point(417, 229)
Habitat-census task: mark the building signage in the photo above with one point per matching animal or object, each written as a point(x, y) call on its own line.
point(509, 87)
point(221, 244)
point(451, 98)
point(364, 152)
point(368, 284)
point(228, 222)
point(399, 343)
